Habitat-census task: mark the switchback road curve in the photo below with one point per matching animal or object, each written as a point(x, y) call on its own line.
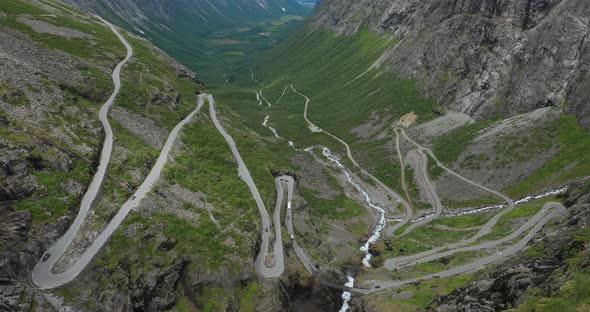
point(42, 274)
point(278, 267)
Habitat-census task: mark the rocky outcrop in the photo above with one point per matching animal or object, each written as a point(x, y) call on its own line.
point(301, 292)
point(50, 138)
point(20, 251)
point(502, 289)
point(484, 58)
point(152, 291)
point(22, 244)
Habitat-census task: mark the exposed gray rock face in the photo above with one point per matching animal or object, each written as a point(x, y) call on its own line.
point(21, 251)
point(47, 28)
point(501, 290)
point(481, 57)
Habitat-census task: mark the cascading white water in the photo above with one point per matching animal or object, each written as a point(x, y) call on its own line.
point(382, 222)
point(488, 208)
point(346, 296)
point(376, 234)
point(533, 197)
point(274, 131)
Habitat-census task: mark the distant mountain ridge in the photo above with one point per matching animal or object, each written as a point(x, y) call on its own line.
point(185, 29)
point(182, 15)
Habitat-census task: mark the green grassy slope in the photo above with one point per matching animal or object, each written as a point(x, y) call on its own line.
point(148, 74)
point(156, 88)
point(332, 70)
point(571, 162)
point(327, 67)
point(218, 41)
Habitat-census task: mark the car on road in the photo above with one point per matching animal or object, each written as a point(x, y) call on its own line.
point(46, 257)
point(292, 236)
point(267, 229)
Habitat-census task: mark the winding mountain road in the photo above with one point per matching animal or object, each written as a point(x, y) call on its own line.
point(379, 285)
point(438, 207)
point(402, 168)
point(270, 265)
point(42, 274)
point(400, 262)
point(390, 263)
point(279, 253)
point(534, 224)
point(307, 263)
point(550, 211)
point(262, 258)
point(392, 193)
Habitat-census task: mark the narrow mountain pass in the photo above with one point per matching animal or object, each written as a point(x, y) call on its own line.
point(478, 264)
point(550, 211)
point(313, 127)
point(438, 207)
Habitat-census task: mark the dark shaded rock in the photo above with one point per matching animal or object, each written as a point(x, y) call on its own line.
point(14, 188)
point(307, 294)
point(11, 297)
point(167, 245)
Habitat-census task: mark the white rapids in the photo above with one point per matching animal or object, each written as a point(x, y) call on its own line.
point(489, 208)
point(273, 130)
point(382, 221)
point(346, 296)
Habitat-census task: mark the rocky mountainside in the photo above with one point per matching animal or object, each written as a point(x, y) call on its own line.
point(55, 74)
point(191, 244)
point(485, 58)
point(494, 89)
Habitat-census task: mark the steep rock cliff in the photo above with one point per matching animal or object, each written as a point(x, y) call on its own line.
point(486, 58)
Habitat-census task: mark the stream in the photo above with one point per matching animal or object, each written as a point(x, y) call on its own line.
point(488, 208)
point(375, 235)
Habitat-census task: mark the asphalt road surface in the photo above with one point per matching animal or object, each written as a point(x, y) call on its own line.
point(549, 211)
point(261, 260)
point(408, 209)
point(438, 207)
point(474, 265)
point(42, 274)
